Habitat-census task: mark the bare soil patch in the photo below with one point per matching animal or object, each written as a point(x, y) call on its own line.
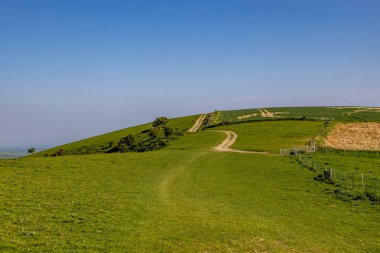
point(229, 141)
point(197, 124)
point(267, 114)
point(355, 136)
point(247, 116)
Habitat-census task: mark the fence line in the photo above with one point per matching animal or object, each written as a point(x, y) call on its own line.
point(353, 181)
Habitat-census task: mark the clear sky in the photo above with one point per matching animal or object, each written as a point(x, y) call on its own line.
point(71, 69)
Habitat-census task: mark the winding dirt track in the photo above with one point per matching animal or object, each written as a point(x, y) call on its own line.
point(229, 141)
point(197, 124)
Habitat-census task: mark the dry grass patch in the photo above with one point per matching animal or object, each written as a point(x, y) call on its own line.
point(247, 116)
point(355, 136)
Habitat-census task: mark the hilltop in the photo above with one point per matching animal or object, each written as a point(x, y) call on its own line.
point(345, 114)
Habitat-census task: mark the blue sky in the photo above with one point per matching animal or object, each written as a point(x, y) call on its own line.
point(70, 69)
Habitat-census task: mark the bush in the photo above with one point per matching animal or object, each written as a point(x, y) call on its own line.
point(60, 151)
point(161, 121)
point(31, 150)
point(150, 139)
point(168, 131)
point(128, 140)
point(373, 197)
point(155, 132)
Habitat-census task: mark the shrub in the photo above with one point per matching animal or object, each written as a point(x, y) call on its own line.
point(31, 150)
point(60, 151)
point(161, 121)
point(155, 132)
point(168, 131)
point(128, 140)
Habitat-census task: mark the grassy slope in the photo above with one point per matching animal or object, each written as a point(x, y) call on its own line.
point(315, 112)
point(350, 163)
point(184, 198)
point(272, 135)
point(309, 112)
point(232, 116)
point(368, 116)
point(97, 141)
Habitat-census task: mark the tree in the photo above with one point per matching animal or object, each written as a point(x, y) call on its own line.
point(127, 143)
point(31, 150)
point(128, 140)
point(168, 131)
point(161, 121)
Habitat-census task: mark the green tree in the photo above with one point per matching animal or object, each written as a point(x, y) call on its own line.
point(168, 131)
point(161, 121)
point(31, 150)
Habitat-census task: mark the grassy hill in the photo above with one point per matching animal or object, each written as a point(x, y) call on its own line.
point(341, 113)
point(271, 136)
point(98, 144)
point(185, 197)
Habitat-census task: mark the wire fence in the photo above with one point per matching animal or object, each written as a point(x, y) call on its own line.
point(344, 152)
point(353, 181)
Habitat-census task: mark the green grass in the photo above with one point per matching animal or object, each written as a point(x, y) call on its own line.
point(368, 116)
point(232, 116)
point(271, 136)
point(331, 113)
point(184, 198)
point(369, 165)
point(315, 112)
point(100, 143)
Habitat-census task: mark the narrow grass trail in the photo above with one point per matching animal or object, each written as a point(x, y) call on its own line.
point(197, 124)
point(229, 141)
point(171, 176)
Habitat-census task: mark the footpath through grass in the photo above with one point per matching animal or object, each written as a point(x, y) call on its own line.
point(184, 198)
point(271, 136)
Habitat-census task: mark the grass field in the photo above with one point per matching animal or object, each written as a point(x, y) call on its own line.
point(331, 113)
point(368, 116)
point(315, 112)
point(233, 116)
point(271, 136)
point(184, 198)
point(351, 163)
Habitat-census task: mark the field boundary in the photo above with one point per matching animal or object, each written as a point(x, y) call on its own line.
point(348, 183)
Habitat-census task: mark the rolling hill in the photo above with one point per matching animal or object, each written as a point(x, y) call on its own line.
point(187, 197)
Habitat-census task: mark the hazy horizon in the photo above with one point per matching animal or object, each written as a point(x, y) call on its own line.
point(74, 69)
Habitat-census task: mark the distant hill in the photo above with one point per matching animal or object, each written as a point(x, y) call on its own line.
point(102, 143)
point(98, 144)
point(12, 153)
